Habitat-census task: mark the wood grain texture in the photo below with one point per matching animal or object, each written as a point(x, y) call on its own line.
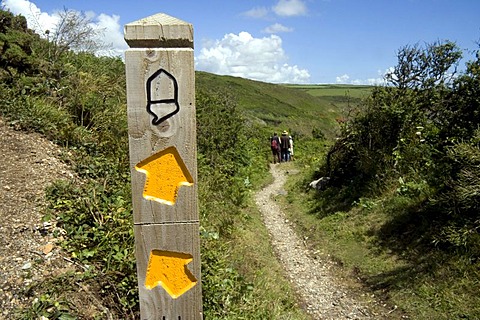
point(159, 31)
point(179, 131)
point(160, 78)
point(157, 303)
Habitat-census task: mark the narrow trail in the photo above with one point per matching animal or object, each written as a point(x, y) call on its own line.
point(313, 278)
point(29, 253)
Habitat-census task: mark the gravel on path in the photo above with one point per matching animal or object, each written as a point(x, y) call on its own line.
point(313, 277)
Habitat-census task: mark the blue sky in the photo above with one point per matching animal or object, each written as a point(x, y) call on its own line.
point(285, 41)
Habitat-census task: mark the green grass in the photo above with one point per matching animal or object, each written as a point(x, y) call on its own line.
point(281, 107)
point(330, 90)
point(337, 98)
point(422, 280)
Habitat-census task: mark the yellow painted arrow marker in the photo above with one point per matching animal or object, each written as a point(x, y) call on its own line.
point(166, 172)
point(169, 269)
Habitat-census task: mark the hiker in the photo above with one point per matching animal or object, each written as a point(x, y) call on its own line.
point(290, 150)
point(275, 146)
point(284, 145)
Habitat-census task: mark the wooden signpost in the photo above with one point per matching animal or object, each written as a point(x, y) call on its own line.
point(162, 141)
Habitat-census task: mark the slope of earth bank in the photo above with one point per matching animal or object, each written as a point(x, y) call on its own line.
point(28, 251)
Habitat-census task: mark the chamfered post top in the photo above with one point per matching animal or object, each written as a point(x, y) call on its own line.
point(159, 31)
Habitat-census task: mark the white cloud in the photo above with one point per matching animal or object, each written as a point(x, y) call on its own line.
point(287, 8)
point(257, 12)
point(111, 33)
point(380, 80)
point(342, 79)
point(277, 28)
point(36, 19)
point(244, 56)
point(283, 8)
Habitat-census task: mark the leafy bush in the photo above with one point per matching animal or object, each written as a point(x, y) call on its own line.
point(420, 133)
point(98, 223)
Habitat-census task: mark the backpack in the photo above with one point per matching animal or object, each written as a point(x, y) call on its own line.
point(274, 143)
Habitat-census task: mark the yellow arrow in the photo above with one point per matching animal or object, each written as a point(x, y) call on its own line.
point(166, 172)
point(169, 269)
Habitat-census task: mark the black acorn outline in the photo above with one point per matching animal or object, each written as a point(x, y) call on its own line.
point(156, 121)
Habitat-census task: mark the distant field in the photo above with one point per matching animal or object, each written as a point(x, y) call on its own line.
point(334, 90)
point(338, 98)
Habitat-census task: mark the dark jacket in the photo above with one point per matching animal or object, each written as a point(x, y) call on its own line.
point(285, 142)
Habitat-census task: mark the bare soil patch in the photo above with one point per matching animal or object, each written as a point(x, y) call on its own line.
point(28, 251)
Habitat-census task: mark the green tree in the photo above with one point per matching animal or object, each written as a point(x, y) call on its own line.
point(422, 130)
point(397, 132)
point(16, 42)
point(422, 68)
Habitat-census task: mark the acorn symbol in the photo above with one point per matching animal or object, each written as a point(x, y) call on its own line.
point(156, 119)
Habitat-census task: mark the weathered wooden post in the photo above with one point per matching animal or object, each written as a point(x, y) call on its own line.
point(162, 140)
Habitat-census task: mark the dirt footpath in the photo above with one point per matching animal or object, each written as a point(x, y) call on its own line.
point(319, 289)
point(28, 251)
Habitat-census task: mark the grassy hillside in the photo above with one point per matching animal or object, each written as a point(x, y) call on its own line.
point(334, 91)
point(299, 109)
point(336, 96)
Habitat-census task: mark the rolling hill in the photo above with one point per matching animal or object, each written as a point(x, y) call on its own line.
point(297, 108)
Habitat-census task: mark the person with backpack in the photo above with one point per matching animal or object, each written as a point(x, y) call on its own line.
point(275, 146)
